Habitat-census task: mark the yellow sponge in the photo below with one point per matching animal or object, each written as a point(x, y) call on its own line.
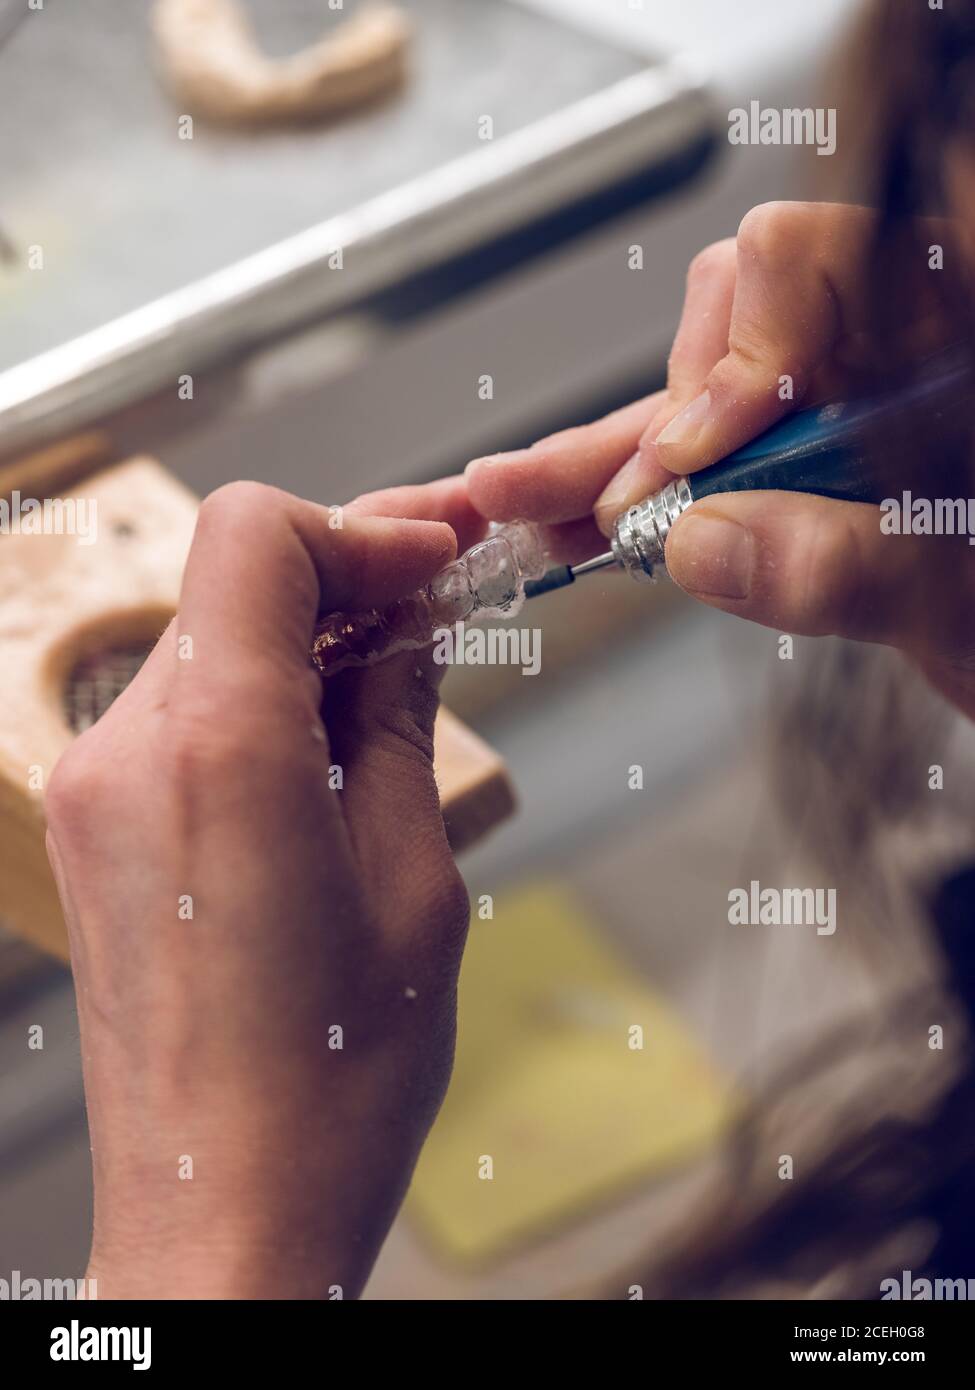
point(573, 1081)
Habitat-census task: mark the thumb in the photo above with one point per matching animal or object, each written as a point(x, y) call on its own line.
point(380, 722)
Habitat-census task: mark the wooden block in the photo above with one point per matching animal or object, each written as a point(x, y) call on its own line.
point(55, 467)
point(62, 601)
point(475, 790)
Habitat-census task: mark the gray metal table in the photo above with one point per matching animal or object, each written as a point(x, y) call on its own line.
point(164, 255)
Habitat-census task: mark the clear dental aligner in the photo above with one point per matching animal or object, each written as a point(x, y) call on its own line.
point(487, 581)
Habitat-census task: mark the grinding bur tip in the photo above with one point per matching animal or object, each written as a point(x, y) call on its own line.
point(598, 562)
point(564, 575)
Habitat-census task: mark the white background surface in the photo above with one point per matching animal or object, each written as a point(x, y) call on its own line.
point(749, 46)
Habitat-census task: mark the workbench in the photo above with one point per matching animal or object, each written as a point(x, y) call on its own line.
point(165, 256)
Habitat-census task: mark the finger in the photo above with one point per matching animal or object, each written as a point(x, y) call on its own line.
point(559, 478)
point(798, 291)
point(702, 334)
point(572, 542)
point(381, 722)
point(812, 566)
point(444, 500)
point(701, 342)
point(447, 500)
point(264, 565)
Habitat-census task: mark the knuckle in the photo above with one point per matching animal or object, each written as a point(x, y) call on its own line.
point(455, 903)
point(404, 733)
point(78, 783)
point(770, 230)
point(441, 907)
point(233, 503)
point(709, 262)
point(752, 362)
point(748, 377)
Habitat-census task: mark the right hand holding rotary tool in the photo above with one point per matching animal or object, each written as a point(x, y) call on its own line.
point(785, 299)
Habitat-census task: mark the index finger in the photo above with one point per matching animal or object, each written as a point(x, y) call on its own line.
point(559, 478)
point(800, 294)
point(264, 565)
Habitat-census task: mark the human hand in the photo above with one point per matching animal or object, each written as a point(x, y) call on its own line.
point(229, 909)
point(778, 317)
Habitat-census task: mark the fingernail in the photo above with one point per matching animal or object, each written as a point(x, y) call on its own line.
point(686, 425)
point(500, 460)
point(708, 554)
point(620, 491)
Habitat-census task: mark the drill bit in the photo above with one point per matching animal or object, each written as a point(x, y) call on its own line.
point(564, 575)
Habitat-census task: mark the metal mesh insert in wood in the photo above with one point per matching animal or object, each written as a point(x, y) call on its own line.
point(98, 679)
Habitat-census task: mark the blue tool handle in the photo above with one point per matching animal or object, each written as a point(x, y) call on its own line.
point(830, 449)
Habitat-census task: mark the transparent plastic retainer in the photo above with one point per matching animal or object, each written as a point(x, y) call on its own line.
point(487, 581)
